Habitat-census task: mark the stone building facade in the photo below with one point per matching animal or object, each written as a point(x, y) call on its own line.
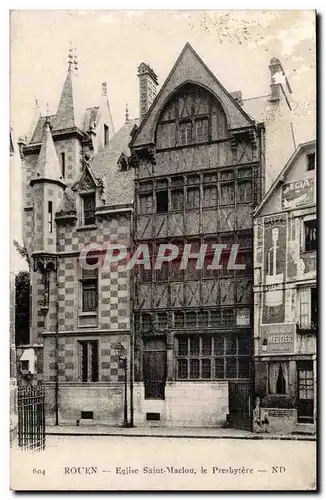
point(78, 316)
point(285, 295)
point(190, 171)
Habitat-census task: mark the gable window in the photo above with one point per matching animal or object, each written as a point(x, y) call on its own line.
point(310, 235)
point(50, 216)
point(106, 135)
point(185, 132)
point(63, 165)
point(201, 127)
point(89, 283)
point(89, 209)
point(311, 162)
point(88, 362)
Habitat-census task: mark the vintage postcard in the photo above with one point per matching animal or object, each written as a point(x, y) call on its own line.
point(163, 269)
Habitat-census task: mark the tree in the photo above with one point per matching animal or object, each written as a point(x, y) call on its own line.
point(22, 252)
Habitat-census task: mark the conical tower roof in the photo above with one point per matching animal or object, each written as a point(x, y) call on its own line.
point(48, 165)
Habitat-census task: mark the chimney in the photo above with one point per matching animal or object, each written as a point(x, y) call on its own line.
point(104, 89)
point(147, 88)
point(279, 81)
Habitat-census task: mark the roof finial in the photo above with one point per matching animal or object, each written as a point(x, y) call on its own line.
point(127, 113)
point(47, 116)
point(70, 58)
point(75, 61)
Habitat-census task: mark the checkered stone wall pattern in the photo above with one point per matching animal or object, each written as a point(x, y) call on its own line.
point(110, 370)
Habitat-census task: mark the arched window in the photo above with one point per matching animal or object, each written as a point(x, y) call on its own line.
point(192, 116)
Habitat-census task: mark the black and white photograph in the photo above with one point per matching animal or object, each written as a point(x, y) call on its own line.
point(163, 250)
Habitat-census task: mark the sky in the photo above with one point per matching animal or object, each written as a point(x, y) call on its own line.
point(236, 45)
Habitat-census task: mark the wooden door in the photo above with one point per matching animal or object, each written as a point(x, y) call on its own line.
point(154, 368)
point(305, 392)
point(240, 405)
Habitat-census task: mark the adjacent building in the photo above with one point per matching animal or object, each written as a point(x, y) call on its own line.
point(285, 295)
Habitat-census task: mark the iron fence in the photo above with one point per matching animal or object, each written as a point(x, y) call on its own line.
point(31, 417)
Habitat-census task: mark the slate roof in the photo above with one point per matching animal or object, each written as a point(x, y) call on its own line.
point(256, 107)
point(118, 184)
point(38, 132)
point(48, 162)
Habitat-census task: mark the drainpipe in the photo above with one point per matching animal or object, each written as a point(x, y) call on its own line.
point(56, 388)
point(132, 325)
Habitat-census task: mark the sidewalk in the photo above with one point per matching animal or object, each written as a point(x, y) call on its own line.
point(163, 432)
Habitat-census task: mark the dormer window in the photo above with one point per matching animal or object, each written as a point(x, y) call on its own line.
point(89, 209)
point(123, 162)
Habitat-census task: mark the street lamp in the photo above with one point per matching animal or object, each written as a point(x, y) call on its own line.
point(121, 353)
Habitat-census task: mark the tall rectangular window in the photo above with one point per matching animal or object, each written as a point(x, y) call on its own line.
point(310, 235)
point(50, 216)
point(244, 192)
point(177, 199)
point(185, 132)
point(193, 197)
point(201, 130)
point(314, 308)
point(89, 283)
point(89, 361)
point(106, 135)
point(227, 193)
point(145, 203)
point(162, 202)
point(305, 308)
point(89, 209)
point(210, 196)
point(63, 165)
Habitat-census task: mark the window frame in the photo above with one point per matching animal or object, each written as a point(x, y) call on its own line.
point(313, 246)
point(50, 217)
point(202, 355)
point(86, 372)
point(89, 282)
point(89, 220)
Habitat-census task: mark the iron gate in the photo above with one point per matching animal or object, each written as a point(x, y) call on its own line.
point(31, 417)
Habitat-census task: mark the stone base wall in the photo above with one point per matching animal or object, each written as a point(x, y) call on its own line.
point(105, 401)
point(186, 404)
